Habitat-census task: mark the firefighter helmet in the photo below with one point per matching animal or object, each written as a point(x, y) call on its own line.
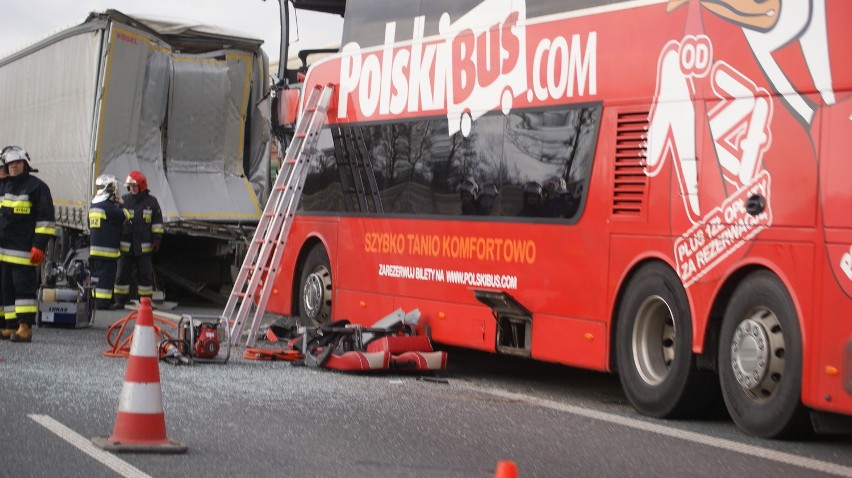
point(138, 179)
point(107, 185)
point(11, 154)
point(489, 189)
point(533, 188)
point(469, 186)
point(555, 186)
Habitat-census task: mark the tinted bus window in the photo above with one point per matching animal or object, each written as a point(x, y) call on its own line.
point(322, 191)
point(529, 164)
point(548, 161)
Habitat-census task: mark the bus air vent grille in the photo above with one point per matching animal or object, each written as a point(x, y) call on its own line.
point(630, 184)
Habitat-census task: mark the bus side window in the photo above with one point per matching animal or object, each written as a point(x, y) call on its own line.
point(549, 156)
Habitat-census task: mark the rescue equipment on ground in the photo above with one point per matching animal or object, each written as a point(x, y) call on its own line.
point(200, 339)
point(120, 344)
point(390, 344)
point(65, 297)
point(181, 339)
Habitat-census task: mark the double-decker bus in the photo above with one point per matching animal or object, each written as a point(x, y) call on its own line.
point(655, 188)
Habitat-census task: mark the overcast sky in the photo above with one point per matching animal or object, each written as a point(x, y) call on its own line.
point(23, 22)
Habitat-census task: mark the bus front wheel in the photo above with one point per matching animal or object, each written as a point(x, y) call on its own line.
point(656, 365)
point(760, 359)
point(315, 288)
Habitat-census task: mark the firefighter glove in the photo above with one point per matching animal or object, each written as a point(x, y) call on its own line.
point(36, 255)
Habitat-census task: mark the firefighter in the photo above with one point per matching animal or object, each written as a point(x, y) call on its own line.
point(488, 194)
point(557, 203)
point(106, 221)
point(468, 191)
point(27, 226)
point(533, 195)
point(140, 239)
point(4, 173)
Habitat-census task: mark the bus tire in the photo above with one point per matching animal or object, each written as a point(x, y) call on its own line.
point(656, 365)
point(760, 359)
point(315, 288)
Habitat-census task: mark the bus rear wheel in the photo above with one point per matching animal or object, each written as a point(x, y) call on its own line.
point(760, 359)
point(315, 288)
point(656, 365)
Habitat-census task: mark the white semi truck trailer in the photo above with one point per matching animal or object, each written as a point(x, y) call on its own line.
point(186, 105)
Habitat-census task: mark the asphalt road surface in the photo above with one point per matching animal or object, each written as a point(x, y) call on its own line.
point(253, 418)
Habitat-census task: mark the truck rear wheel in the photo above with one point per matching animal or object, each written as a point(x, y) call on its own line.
point(315, 288)
point(656, 365)
point(760, 359)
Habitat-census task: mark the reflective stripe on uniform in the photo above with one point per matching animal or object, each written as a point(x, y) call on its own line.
point(146, 247)
point(108, 252)
point(17, 202)
point(145, 290)
point(121, 289)
point(157, 228)
point(102, 294)
point(25, 306)
point(12, 256)
point(124, 246)
point(45, 227)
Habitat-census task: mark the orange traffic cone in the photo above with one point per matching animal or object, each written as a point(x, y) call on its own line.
point(140, 425)
point(506, 469)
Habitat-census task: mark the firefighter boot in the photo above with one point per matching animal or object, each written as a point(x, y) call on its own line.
point(6, 333)
point(23, 334)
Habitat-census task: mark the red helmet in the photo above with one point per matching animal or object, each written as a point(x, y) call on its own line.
point(137, 178)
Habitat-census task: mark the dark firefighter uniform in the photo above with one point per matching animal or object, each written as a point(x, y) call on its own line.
point(27, 225)
point(3, 176)
point(141, 238)
point(106, 221)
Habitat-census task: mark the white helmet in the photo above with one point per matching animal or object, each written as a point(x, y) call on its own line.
point(107, 185)
point(555, 186)
point(469, 186)
point(11, 154)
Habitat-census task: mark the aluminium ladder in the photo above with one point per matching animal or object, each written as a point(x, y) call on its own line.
point(254, 283)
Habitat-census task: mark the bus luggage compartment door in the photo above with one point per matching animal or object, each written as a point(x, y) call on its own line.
point(514, 322)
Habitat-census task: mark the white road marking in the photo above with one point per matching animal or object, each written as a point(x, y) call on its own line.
point(85, 445)
point(721, 443)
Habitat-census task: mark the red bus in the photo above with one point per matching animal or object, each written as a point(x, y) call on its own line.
point(659, 189)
